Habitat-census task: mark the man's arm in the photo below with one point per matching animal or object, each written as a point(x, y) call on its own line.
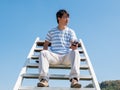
point(45, 46)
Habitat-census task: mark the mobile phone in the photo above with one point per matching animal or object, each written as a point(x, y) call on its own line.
point(75, 43)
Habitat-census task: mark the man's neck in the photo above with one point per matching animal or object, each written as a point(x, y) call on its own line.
point(61, 27)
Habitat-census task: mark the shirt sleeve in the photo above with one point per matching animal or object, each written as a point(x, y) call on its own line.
point(48, 37)
point(73, 36)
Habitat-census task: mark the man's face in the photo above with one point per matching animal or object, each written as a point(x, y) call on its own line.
point(64, 20)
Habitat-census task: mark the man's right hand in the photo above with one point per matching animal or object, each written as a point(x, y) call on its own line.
point(45, 47)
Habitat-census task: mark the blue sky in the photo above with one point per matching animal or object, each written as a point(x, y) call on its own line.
point(97, 23)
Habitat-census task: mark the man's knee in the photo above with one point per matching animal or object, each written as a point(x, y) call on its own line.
point(75, 52)
point(43, 52)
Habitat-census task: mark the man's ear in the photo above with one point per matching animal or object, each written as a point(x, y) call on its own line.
point(59, 18)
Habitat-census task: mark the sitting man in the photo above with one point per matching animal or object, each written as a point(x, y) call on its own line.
point(63, 50)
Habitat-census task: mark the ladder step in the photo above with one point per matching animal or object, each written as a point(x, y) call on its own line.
point(36, 57)
point(40, 49)
point(41, 43)
point(56, 76)
point(35, 65)
point(53, 88)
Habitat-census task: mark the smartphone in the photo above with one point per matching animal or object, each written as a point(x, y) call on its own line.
point(75, 43)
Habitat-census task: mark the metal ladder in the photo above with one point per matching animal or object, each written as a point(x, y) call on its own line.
point(32, 63)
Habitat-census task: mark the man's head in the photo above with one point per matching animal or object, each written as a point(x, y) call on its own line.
point(62, 16)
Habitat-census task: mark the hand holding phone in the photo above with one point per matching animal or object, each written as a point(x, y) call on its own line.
point(74, 43)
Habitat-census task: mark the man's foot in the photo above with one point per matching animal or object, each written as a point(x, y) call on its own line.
point(43, 83)
point(75, 84)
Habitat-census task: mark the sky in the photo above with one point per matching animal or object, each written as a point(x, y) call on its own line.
point(96, 22)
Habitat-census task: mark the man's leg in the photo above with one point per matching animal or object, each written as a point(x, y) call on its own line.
point(46, 57)
point(73, 58)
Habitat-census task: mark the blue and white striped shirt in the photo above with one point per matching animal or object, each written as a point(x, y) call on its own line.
point(61, 40)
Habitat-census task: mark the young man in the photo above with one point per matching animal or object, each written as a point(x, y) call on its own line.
point(63, 50)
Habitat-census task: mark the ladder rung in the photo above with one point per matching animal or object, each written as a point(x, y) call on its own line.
point(56, 76)
point(35, 65)
point(36, 57)
point(41, 43)
point(40, 49)
point(52, 88)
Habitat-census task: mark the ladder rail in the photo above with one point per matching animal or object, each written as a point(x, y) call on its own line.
point(24, 68)
point(91, 70)
point(20, 77)
point(32, 49)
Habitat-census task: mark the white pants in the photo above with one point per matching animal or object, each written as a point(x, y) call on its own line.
point(47, 57)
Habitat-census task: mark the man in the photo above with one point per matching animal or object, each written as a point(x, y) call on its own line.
point(63, 50)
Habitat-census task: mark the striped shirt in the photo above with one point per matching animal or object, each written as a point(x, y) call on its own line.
point(60, 40)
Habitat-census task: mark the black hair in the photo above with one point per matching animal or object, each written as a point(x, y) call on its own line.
point(60, 13)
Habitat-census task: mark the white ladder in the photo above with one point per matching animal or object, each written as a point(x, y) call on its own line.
point(32, 63)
